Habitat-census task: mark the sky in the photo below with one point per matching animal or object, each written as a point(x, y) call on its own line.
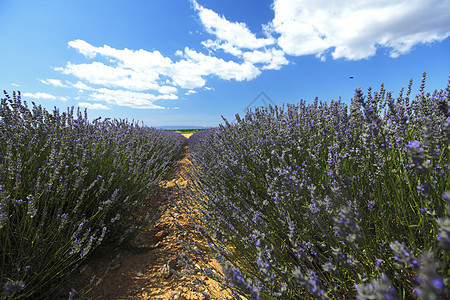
point(190, 62)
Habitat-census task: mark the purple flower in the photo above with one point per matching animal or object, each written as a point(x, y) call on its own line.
point(415, 145)
point(437, 283)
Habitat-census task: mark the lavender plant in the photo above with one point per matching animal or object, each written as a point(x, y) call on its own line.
point(69, 186)
point(330, 201)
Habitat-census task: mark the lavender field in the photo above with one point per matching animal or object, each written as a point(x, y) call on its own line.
point(304, 201)
point(328, 201)
point(70, 187)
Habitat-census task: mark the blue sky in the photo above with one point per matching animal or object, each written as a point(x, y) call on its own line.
point(182, 62)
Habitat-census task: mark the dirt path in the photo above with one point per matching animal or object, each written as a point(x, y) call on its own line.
point(141, 272)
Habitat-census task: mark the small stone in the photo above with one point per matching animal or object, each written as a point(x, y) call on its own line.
point(165, 271)
point(199, 269)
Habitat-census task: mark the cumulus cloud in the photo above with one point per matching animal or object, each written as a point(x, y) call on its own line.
point(189, 92)
point(84, 48)
point(53, 82)
point(130, 98)
point(230, 34)
point(143, 70)
point(116, 77)
point(96, 106)
point(227, 47)
point(210, 65)
point(140, 60)
point(273, 58)
point(82, 86)
point(47, 96)
point(39, 96)
point(138, 70)
point(236, 39)
point(355, 29)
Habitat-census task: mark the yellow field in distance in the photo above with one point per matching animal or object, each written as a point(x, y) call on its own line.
point(186, 135)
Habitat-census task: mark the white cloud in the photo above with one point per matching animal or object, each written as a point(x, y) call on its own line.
point(138, 70)
point(82, 86)
point(227, 47)
point(273, 58)
point(101, 74)
point(40, 95)
point(15, 84)
point(188, 75)
point(138, 60)
point(165, 89)
point(203, 64)
point(84, 48)
point(235, 37)
point(96, 106)
point(130, 98)
point(232, 34)
point(354, 29)
point(190, 92)
point(53, 82)
point(143, 70)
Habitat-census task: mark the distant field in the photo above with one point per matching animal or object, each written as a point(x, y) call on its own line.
point(187, 132)
point(187, 135)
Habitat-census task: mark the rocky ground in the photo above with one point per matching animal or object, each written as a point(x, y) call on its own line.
point(143, 270)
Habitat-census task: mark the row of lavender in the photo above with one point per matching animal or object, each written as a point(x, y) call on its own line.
point(68, 186)
point(327, 201)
